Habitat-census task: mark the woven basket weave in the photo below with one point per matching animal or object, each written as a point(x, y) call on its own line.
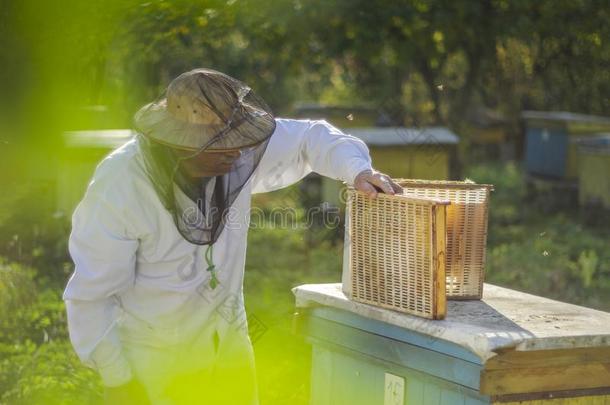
point(395, 252)
point(466, 231)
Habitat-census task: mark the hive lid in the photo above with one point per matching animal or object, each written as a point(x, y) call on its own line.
point(598, 143)
point(403, 136)
point(105, 138)
point(504, 319)
point(565, 116)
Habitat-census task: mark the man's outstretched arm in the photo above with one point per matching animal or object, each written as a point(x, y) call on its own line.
point(299, 147)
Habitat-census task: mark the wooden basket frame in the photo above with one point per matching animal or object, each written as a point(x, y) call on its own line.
point(431, 305)
point(472, 233)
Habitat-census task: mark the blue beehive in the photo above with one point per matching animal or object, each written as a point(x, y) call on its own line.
point(550, 147)
point(509, 348)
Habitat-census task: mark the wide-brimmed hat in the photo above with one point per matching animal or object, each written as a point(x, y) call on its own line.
point(206, 109)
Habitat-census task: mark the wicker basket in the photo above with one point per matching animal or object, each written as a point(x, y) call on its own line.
point(466, 231)
point(394, 254)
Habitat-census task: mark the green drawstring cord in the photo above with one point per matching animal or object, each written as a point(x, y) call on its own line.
point(211, 268)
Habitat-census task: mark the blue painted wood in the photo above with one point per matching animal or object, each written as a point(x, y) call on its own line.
point(395, 332)
point(432, 394)
point(341, 378)
point(382, 349)
point(321, 374)
point(415, 390)
point(360, 382)
point(546, 151)
point(449, 396)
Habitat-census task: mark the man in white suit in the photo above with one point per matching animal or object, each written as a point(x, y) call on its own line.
point(159, 239)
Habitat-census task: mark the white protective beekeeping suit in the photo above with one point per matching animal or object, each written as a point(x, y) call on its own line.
point(139, 302)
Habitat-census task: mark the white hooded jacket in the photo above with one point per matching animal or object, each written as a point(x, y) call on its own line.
point(138, 282)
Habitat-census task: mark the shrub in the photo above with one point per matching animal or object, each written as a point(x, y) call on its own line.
point(37, 362)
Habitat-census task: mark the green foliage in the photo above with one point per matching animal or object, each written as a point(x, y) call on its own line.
point(28, 314)
point(418, 61)
point(45, 374)
point(549, 254)
point(32, 233)
point(37, 363)
point(587, 262)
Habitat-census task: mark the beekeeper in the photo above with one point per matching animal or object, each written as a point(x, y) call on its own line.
point(155, 303)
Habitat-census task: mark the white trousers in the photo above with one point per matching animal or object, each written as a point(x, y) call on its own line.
point(206, 370)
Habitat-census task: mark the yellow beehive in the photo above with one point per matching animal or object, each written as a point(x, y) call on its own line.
point(395, 252)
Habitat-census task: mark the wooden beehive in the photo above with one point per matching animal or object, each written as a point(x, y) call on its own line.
point(551, 146)
point(593, 169)
point(466, 231)
point(510, 348)
point(395, 252)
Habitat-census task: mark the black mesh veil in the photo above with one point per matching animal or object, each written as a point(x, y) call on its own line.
point(202, 111)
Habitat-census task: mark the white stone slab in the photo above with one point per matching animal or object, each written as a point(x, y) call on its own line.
point(504, 319)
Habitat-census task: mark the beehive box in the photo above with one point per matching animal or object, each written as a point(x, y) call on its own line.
point(466, 231)
point(594, 166)
point(395, 252)
point(551, 149)
point(508, 348)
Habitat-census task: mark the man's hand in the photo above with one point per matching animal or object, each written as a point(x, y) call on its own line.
point(367, 181)
point(132, 393)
